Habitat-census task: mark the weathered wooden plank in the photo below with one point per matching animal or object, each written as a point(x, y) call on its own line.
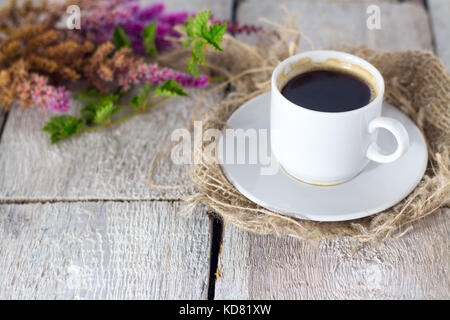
point(439, 15)
point(327, 23)
point(103, 250)
point(221, 9)
point(109, 164)
point(265, 267)
point(415, 266)
point(112, 163)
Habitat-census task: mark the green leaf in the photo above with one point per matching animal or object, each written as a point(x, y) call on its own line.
point(136, 102)
point(146, 90)
point(200, 35)
point(186, 42)
point(170, 88)
point(197, 51)
point(139, 100)
point(200, 23)
point(215, 35)
point(100, 110)
point(188, 27)
point(192, 67)
point(148, 36)
point(105, 111)
point(88, 112)
point(120, 38)
point(87, 94)
point(63, 126)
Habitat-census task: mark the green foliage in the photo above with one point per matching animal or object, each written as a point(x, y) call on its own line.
point(192, 67)
point(139, 101)
point(87, 94)
point(148, 37)
point(186, 42)
point(199, 26)
point(170, 88)
point(200, 34)
point(101, 109)
point(197, 51)
point(215, 35)
point(120, 38)
point(63, 126)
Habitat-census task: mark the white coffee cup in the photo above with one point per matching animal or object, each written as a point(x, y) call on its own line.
point(327, 148)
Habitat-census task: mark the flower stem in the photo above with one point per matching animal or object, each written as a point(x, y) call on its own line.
point(125, 118)
point(217, 79)
point(205, 67)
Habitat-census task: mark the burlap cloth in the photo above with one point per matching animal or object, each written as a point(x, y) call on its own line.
point(416, 82)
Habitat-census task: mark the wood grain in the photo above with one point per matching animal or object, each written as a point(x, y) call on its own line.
point(220, 9)
point(267, 267)
point(109, 164)
point(103, 250)
point(328, 23)
point(100, 249)
point(439, 15)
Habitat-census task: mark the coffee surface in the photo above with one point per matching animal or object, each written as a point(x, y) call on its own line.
point(327, 91)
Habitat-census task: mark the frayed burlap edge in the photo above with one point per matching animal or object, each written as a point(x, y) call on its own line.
point(416, 82)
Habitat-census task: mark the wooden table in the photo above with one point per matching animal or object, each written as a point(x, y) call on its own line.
point(79, 221)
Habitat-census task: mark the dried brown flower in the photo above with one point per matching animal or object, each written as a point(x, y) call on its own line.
point(98, 66)
point(45, 50)
point(12, 81)
point(20, 13)
point(34, 52)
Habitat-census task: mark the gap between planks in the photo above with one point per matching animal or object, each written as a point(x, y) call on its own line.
point(76, 200)
point(3, 118)
point(430, 23)
point(217, 230)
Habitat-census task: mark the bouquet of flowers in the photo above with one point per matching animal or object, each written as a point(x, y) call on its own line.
point(114, 51)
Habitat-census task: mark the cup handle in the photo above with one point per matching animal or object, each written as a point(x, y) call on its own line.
point(375, 153)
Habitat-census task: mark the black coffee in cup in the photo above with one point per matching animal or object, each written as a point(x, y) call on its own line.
point(328, 91)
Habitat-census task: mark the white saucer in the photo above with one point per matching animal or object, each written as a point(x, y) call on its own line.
point(377, 188)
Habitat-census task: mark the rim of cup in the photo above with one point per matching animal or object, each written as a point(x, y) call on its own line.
point(343, 56)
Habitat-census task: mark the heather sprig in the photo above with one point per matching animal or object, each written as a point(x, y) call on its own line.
point(114, 51)
point(102, 17)
point(48, 96)
point(121, 68)
point(99, 19)
point(199, 34)
point(237, 28)
point(100, 108)
point(27, 89)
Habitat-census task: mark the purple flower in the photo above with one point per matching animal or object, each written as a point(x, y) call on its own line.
point(133, 28)
point(174, 18)
point(238, 28)
point(49, 97)
point(101, 18)
point(151, 12)
point(60, 100)
point(141, 72)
